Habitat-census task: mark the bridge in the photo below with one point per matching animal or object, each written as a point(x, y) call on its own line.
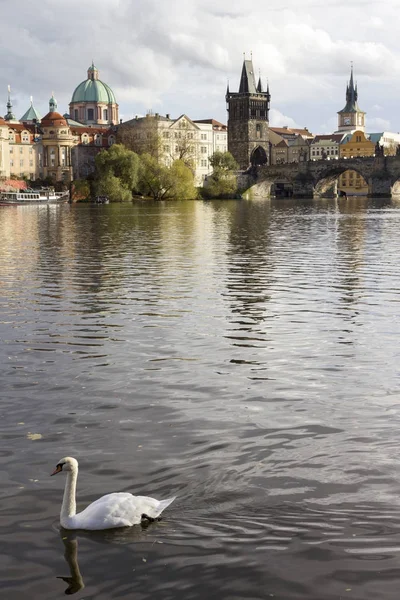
point(317, 179)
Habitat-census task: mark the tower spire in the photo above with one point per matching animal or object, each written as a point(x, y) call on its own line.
point(10, 115)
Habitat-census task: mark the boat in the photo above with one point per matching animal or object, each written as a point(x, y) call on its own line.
point(101, 200)
point(30, 196)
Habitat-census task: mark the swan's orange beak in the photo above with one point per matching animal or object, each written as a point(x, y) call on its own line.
point(58, 469)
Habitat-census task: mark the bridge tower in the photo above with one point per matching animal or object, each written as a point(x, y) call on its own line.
point(248, 120)
point(351, 117)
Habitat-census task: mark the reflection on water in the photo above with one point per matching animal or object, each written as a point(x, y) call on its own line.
point(240, 355)
point(74, 580)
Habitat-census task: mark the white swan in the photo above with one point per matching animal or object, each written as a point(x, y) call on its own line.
point(113, 510)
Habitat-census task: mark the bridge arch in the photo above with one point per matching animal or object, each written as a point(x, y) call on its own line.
point(324, 182)
point(259, 157)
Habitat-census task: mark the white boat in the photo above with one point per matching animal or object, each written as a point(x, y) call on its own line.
point(29, 196)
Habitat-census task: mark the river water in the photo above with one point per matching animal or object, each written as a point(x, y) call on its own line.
point(243, 356)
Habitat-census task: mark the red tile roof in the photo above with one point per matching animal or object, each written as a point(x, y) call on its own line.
point(54, 119)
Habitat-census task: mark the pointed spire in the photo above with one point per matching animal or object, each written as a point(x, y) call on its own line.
point(9, 116)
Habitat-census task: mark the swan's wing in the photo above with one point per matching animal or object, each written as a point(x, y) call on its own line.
point(118, 510)
point(112, 510)
point(152, 507)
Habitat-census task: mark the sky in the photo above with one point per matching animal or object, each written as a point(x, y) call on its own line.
point(176, 56)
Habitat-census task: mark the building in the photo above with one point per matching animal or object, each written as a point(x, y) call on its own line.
point(351, 117)
point(248, 120)
point(326, 146)
point(389, 141)
point(356, 144)
point(168, 140)
point(289, 145)
point(93, 102)
point(220, 134)
point(55, 147)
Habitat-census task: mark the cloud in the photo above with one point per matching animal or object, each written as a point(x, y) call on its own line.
point(277, 119)
point(377, 124)
point(176, 56)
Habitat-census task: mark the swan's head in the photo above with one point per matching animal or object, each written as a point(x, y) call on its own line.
point(66, 464)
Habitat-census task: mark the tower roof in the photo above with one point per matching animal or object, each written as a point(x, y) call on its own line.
point(351, 97)
point(247, 79)
point(31, 114)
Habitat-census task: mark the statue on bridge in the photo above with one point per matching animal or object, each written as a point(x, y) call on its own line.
point(378, 149)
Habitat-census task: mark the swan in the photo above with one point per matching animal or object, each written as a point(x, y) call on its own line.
point(120, 509)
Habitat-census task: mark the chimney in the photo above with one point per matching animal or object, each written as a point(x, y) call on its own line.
point(167, 116)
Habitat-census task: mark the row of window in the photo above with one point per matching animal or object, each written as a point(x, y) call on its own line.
point(90, 112)
point(21, 163)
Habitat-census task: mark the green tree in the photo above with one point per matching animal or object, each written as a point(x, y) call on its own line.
point(223, 161)
point(117, 173)
point(222, 183)
point(161, 182)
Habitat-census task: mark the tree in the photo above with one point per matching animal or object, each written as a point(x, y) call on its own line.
point(222, 183)
point(185, 149)
point(117, 172)
point(161, 182)
point(223, 161)
point(141, 139)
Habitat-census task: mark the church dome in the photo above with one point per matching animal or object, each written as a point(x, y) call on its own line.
point(93, 90)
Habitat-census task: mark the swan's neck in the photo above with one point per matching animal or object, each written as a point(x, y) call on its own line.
point(68, 508)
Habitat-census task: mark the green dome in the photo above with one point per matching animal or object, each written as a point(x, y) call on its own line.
point(93, 90)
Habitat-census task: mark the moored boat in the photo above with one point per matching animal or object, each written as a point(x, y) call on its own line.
point(29, 196)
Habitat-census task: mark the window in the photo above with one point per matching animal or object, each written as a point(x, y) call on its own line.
point(76, 114)
point(31, 150)
point(166, 148)
point(203, 163)
point(98, 140)
point(203, 136)
point(11, 163)
point(21, 150)
point(63, 156)
point(105, 114)
point(21, 162)
point(203, 149)
point(111, 140)
point(166, 134)
point(258, 131)
point(11, 150)
point(90, 114)
point(31, 163)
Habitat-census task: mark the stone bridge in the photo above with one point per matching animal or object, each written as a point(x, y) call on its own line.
point(316, 179)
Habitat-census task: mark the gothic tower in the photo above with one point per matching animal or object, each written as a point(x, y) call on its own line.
point(351, 117)
point(248, 117)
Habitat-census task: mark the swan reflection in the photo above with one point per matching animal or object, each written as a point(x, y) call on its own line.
point(114, 536)
point(75, 580)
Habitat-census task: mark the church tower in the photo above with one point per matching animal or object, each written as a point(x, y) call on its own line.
point(248, 120)
point(351, 117)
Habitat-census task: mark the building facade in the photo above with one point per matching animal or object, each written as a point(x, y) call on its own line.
point(248, 120)
point(193, 142)
point(326, 146)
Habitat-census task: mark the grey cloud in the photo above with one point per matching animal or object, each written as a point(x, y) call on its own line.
point(177, 55)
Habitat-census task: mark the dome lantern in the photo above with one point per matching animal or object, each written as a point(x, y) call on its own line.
point(93, 72)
